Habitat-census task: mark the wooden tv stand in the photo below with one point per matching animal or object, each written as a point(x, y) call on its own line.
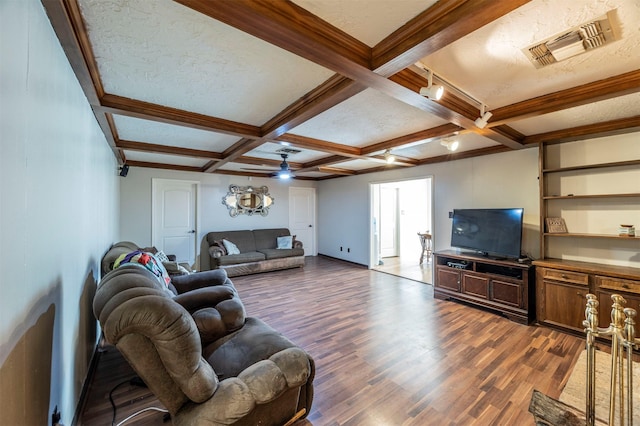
point(505, 286)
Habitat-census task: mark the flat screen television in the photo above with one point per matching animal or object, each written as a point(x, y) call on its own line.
point(490, 232)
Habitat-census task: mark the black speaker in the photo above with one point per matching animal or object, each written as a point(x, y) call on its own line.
point(124, 170)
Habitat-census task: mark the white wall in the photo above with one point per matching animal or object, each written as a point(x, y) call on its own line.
point(501, 180)
point(135, 199)
point(58, 214)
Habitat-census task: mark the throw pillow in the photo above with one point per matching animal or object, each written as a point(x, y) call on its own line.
point(285, 242)
point(220, 243)
point(161, 256)
point(230, 247)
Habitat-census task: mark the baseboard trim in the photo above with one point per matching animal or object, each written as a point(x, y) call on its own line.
point(93, 365)
point(342, 260)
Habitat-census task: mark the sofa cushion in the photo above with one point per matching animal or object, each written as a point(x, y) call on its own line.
point(267, 238)
point(281, 253)
point(243, 239)
point(234, 259)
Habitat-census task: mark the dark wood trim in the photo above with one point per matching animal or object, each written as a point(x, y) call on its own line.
point(149, 111)
point(152, 165)
point(427, 135)
point(165, 149)
point(600, 90)
point(607, 128)
point(435, 28)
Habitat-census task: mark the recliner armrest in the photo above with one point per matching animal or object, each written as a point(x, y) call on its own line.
point(185, 283)
point(258, 384)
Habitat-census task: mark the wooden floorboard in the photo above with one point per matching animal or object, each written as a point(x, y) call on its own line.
point(386, 352)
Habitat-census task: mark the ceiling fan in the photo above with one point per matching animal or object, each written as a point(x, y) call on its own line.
point(284, 172)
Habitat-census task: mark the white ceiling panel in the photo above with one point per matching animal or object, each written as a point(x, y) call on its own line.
point(368, 21)
point(164, 159)
point(134, 129)
point(467, 142)
point(161, 52)
point(365, 119)
point(269, 150)
point(489, 64)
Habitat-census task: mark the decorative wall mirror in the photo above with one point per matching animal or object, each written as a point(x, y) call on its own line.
point(247, 200)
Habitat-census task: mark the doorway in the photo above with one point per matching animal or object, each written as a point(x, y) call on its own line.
point(174, 219)
point(400, 210)
point(302, 217)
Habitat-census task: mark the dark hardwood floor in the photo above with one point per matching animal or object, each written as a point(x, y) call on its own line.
point(387, 353)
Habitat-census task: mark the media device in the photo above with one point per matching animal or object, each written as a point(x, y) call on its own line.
point(491, 232)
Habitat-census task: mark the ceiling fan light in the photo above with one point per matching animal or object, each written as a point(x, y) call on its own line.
point(284, 174)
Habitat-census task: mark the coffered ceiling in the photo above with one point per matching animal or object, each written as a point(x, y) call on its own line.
point(221, 86)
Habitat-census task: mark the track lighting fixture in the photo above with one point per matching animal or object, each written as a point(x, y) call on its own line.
point(482, 121)
point(389, 157)
point(432, 91)
point(451, 145)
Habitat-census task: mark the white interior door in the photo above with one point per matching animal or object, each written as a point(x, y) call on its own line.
point(388, 222)
point(302, 217)
point(174, 218)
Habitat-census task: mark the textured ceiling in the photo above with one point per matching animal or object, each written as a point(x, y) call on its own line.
point(174, 88)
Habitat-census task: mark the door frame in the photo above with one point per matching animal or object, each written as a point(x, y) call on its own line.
point(373, 259)
point(155, 184)
point(314, 249)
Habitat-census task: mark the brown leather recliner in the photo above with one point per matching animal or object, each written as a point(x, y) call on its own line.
point(198, 352)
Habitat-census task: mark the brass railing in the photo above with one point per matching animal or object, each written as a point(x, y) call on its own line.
point(623, 340)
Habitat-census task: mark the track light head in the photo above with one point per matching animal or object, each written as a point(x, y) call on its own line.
point(389, 157)
point(482, 121)
point(451, 145)
point(434, 92)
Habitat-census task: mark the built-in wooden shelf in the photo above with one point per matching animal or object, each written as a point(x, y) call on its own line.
point(574, 197)
point(592, 166)
point(583, 235)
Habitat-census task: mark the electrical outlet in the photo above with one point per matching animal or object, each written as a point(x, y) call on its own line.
point(340, 248)
point(450, 215)
point(348, 250)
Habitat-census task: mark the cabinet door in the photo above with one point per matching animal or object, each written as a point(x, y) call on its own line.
point(476, 286)
point(448, 279)
point(604, 308)
point(506, 293)
point(564, 304)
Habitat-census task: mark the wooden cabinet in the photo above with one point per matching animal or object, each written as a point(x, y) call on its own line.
point(562, 286)
point(501, 285)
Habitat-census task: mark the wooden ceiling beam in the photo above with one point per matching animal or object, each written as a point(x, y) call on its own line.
point(435, 28)
point(424, 135)
point(148, 111)
point(163, 166)
point(166, 149)
point(600, 90)
point(596, 130)
point(289, 27)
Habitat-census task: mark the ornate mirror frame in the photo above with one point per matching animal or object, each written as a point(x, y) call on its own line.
point(247, 200)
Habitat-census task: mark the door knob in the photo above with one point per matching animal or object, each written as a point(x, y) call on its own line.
point(310, 226)
point(193, 231)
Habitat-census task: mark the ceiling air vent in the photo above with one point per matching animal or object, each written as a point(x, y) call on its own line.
point(573, 41)
point(288, 151)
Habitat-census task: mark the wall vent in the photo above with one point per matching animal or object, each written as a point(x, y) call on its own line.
point(572, 42)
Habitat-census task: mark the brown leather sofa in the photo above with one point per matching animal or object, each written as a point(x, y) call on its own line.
point(258, 251)
point(198, 352)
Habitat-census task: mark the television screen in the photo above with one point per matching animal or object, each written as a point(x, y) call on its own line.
point(496, 232)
